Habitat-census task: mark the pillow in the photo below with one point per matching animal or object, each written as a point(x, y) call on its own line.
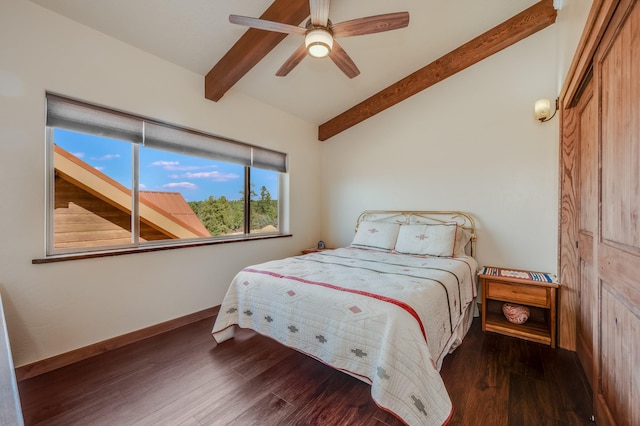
point(378, 235)
point(462, 239)
point(427, 239)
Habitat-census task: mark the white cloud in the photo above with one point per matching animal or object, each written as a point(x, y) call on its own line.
point(78, 154)
point(182, 185)
point(142, 186)
point(185, 168)
point(165, 163)
point(175, 166)
point(99, 168)
point(215, 176)
point(106, 157)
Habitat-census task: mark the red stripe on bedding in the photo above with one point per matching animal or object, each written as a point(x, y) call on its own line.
point(396, 302)
point(446, 422)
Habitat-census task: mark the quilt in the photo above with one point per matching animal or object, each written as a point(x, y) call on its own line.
point(385, 318)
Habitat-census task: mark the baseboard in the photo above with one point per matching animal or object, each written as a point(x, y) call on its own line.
point(49, 364)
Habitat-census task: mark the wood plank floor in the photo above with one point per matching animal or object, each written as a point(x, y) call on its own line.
point(179, 378)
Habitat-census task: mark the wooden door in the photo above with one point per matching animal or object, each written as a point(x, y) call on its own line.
point(617, 249)
point(587, 227)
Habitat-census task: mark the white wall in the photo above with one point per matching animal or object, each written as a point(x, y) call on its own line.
point(468, 143)
point(571, 21)
point(54, 308)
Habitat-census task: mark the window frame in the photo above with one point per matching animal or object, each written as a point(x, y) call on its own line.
point(236, 151)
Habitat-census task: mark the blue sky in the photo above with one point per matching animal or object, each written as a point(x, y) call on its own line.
point(195, 178)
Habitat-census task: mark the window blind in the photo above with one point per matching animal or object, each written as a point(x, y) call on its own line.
point(270, 160)
point(82, 117)
point(158, 136)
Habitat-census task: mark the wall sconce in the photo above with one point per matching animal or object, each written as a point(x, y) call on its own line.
point(542, 110)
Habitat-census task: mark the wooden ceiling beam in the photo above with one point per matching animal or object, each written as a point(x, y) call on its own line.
point(522, 25)
point(252, 47)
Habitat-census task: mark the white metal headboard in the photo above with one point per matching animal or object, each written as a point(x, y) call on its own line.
point(406, 217)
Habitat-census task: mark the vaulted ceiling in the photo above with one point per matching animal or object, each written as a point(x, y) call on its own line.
point(442, 38)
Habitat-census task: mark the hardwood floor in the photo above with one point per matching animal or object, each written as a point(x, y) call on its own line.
point(179, 378)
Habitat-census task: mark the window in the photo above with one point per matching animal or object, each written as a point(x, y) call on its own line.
point(120, 181)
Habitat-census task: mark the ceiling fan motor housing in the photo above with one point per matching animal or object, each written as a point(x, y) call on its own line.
point(318, 42)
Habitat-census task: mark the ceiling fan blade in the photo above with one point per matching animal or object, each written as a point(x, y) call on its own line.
point(371, 24)
point(263, 24)
point(343, 61)
point(293, 61)
point(319, 12)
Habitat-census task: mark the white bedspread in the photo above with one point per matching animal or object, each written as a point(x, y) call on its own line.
point(387, 319)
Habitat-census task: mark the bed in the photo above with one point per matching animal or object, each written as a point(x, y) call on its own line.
point(385, 309)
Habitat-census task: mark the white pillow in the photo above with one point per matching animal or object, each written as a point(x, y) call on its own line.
point(378, 235)
point(462, 239)
point(427, 240)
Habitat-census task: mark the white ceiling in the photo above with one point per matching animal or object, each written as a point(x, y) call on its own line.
point(195, 34)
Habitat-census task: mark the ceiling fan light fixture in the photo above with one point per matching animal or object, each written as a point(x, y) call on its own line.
point(318, 42)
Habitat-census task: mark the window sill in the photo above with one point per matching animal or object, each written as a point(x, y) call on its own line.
point(147, 249)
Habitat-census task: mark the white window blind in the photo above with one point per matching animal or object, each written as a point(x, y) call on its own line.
point(82, 117)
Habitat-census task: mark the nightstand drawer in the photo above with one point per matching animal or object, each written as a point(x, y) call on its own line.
point(519, 293)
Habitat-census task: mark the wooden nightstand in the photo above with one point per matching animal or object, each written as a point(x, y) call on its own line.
point(537, 291)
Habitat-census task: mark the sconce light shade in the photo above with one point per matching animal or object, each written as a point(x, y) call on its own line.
point(318, 42)
point(542, 110)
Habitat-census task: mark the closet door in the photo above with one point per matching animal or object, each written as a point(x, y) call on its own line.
point(587, 110)
point(617, 76)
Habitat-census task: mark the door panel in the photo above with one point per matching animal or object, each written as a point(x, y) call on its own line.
point(617, 72)
point(588, 164)
point(620, 72)
point(587, 227)
point(586, 315)
point(620, 357)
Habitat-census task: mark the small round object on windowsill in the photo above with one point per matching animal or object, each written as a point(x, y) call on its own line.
point(516, 314)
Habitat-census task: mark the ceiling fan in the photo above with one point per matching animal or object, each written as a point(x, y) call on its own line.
point(320, 34)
